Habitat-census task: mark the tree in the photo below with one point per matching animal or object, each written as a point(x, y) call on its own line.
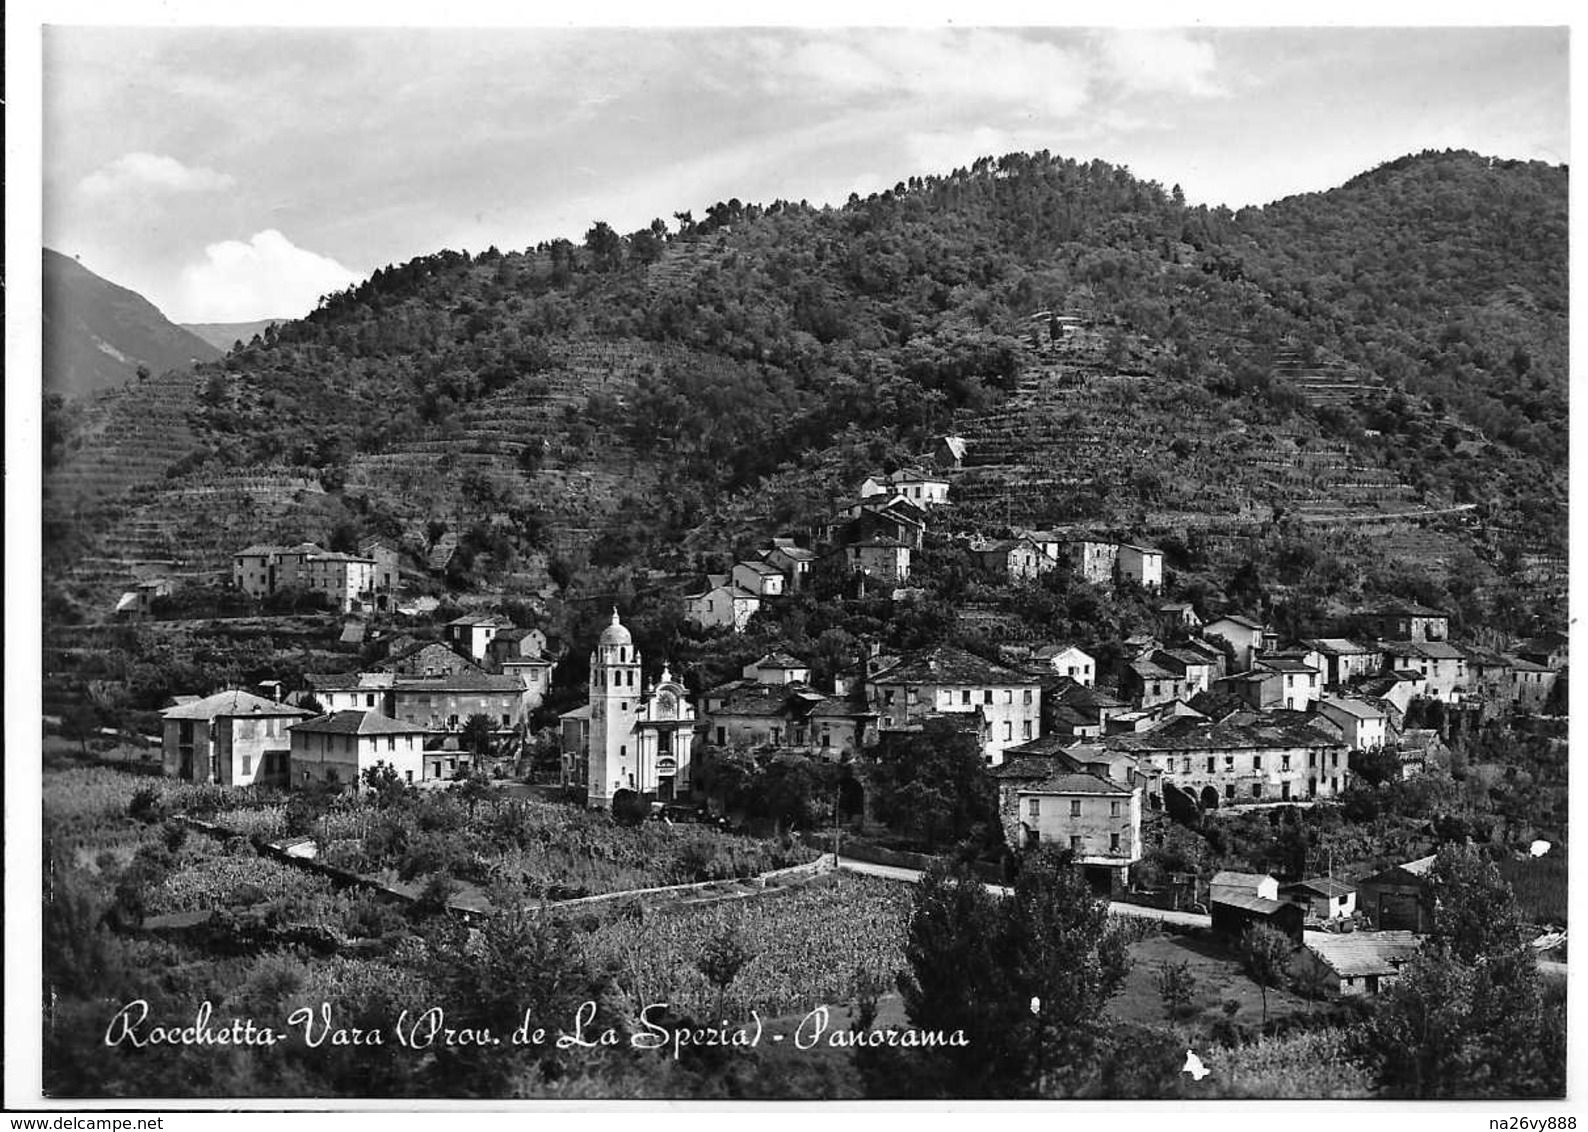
point(475, 788)
point(980, 964)
point(1176, 987)
point(1265, 956)
point(605, 246)
point(629, 807)
point(81, 722)
point(479, 733)
point(721, 959)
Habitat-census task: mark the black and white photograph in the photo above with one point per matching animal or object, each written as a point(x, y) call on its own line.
point(673, 560)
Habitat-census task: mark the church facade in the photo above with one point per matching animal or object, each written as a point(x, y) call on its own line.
point(630, 736)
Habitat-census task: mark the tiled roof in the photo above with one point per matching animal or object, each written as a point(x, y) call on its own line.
point(779, 660)
point(1249, 902)
point(1244, 622)
point(760, 568)
point(1229, 878)
point(1322, 886)
point(947, 665)
point(231, 703)
point(1338, 646)
point(797, 553)
point(259, 549)
point(1073, 782)
point(1520, 665)
point(1186, 733)
point(1351, 705)
point(469, 619)
point(358, 723)
point(1059, 648)
point(1354, 954)
point(1425, 650)
point(1285, 664)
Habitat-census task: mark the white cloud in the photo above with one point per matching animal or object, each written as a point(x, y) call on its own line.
point(946, 68)
point(152, 171)
point(266, 277)
point(1159, 61)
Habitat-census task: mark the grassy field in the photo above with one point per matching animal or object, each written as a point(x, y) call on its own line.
point(1219, 980)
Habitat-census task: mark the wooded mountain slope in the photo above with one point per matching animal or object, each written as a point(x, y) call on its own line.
point(601, 401)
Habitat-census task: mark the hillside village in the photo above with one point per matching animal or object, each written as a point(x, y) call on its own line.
point(575, 637)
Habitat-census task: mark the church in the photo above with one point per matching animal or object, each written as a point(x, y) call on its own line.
point(630, 736)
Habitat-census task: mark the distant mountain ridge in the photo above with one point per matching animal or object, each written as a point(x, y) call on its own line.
point(97, 334)
point(224, 335)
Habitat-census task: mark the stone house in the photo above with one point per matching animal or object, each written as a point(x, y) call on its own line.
point(793, 561)
point(920, 487)
point(1244, 636)
point(1531, 683)
point(231, 738)
point(1442, 665)
point(1070, 660)
point(429, 658)
point(788, 716)
point(341, 746)
point(386, 576)
point(1055, 801)
point(1344, 661)
point(1408, 621)
point(1141, 564)
point(1195, 669)
point(1016, 559)
point(1177, 618)
point(441, 702)
point(1298, 687)
point(1093, 560)
point(947, 680)
point(1249, 757)
point(1238, 901)
point(886, 559)
point(777, 668)
point(1363, 723)
point(1549, 649)
point(473, 633)
point(1147, 684)
point(949, 451)
point(759, 578)
point(347, 579)
point(722, 604)
point(1356, 963)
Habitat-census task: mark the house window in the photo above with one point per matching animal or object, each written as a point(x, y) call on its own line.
point(1009, 695)
point(1257, 790)
point(1257, 762)
point(910, 696)
point(1284, 762)
point(1025, 729)
point(248, 765)
point(1229, 762)
point(1336, 759)
point(1113, 809)
point(1027, 698)
point(1185, 765)
point(1034, 808)
point(964, 697)
point(623, 750)
point(1075, 844)
point(1229, 793)
point(1009, 730)
point(1312, 758)
point(391, 742)
point(369, 701)
point(887, 698)
point(1211, 761)
point(452, 721)
point(1113, 843)
point(986, 696)
point(1075, 807)
point(722, 736)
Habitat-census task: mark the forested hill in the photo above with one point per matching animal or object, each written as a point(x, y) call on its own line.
point(606, 397)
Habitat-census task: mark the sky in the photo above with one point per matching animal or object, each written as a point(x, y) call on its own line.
point(238, 173)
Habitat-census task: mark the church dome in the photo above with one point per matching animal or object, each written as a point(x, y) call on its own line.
point(615, 634)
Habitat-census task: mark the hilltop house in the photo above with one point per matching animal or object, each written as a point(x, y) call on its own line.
point(1244, 636)
point(1093, 560)
point(1147, 684)
point(1490, 674)
point(515, 644)
point(138, 602)
point(1141, 564)
point(386, 577)
point(1397, 689)
point(1531, 683)
point(1298, 680)
point(949, 452)
point(949, 681)
point(1343, 661)
point(348, 580)
point(1549, 649)
point(231, 738)
point(753, 712)
point(793, 561)
point(886, 559)
point(1068, 659)
point(1057, 800)
point(1176, 618)
point(778, 668)
point(1363, 723)
point(1443, 665)
point(341, 746)
point(920, 487)
point(473, 633)
point(1194, 668)
point(1408, 621)
point(430, 658)
point(1013, 558)
point(722, 604)
point(759, 578)
point(630, 736)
